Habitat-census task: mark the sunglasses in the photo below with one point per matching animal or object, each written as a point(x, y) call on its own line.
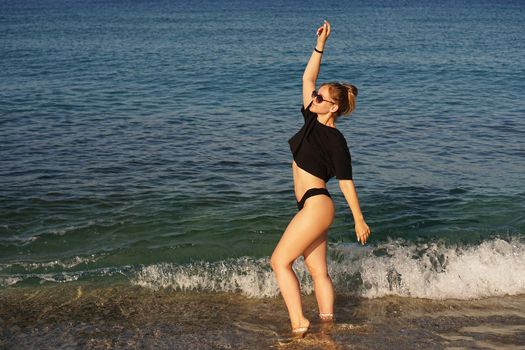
point(319, 98)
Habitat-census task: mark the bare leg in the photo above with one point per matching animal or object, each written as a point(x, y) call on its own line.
point(305, 227)
point(315, 260)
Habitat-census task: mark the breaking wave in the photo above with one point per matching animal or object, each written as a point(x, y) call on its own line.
point(397, 267)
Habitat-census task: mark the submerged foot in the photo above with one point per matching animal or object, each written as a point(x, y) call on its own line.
point(326, 317)
point(301, 329)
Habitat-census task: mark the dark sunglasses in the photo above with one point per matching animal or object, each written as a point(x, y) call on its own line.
point(319, 98)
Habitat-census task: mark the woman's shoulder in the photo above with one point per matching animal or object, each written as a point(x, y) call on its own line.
point(338, 139)
point(306, 108)
point(307, 113)
point(337, 134)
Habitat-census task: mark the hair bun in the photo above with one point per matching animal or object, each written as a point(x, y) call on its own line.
point(354, 89)
point(351, 88)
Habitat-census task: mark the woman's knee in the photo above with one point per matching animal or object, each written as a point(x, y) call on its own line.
point(318, 273)
point(320, 279)
point(279, 263)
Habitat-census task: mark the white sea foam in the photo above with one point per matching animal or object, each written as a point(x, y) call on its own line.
point(427, 270)
point(252, 277)
point(435, 271)
point(67, 263)
point(37, 270)
point(9, 280)
point(63, 277)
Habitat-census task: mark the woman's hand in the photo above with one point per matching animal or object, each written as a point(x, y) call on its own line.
point(362, 231)
point(323, 33)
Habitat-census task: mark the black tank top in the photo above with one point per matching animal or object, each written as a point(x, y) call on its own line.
point(320, 149)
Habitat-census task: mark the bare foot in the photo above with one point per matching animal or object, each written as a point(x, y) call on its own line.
point(302, 328)
point(326, 317)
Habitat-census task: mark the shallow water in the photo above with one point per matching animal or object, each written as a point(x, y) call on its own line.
point(124, 316)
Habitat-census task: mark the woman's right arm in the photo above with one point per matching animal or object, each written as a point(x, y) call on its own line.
point(312, 68)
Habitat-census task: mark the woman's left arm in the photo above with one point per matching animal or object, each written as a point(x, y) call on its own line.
point(362, 231)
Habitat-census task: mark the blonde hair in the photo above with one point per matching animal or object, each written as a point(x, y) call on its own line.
point(344, 95)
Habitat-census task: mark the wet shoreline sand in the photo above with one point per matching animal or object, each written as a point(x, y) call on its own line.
point(97, 316)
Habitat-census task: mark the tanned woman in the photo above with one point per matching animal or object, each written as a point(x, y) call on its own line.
point(320, 152)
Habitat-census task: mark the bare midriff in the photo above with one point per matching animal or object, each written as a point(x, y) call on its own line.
point(303, 180)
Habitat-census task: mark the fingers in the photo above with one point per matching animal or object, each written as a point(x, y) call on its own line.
point(324, 29)
point(362, 236)
point(327, 27)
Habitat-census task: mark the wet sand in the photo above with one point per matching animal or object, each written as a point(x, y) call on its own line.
point(125, 316)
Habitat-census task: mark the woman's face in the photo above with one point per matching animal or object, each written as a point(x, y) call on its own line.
point(327, 103)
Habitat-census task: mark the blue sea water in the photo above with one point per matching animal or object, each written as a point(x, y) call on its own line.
point(147, 140)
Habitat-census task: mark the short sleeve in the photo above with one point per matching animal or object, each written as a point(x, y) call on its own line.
point(307, 114)
point(342, 162)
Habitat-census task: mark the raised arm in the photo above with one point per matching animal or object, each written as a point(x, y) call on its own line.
point(312, 68)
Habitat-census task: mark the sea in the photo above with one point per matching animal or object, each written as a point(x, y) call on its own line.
point(145, 174)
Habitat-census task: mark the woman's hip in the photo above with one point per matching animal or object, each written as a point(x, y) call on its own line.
point(314, 191)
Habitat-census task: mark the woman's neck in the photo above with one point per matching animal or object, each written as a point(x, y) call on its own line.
point(326, 119)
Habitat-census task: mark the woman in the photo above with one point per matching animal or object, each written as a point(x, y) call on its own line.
point(320, 152)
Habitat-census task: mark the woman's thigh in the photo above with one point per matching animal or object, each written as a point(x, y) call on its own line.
point(306, 226)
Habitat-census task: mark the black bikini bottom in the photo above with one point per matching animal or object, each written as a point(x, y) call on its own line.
point(312, 192)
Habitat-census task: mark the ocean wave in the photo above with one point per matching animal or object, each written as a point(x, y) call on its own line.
point(10, 280)
point(438, 271)
point(252, 277)
point(63, 277)
point(423, 270)
point(67, 263)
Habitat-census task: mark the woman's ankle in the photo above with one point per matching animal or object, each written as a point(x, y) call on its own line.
point(326, 317)
point(303, 322)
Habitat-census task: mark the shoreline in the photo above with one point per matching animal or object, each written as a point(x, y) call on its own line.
point(100, 316)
